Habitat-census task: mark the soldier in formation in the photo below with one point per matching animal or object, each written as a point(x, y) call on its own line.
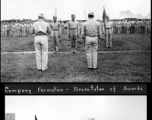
point(73, 33)
point(136, 26)
point(108, 32)
point(56, 34)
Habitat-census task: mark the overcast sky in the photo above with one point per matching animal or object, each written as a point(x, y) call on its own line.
point(77, 107)
point(31, 8)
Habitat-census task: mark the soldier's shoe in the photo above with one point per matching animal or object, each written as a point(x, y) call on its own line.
point(57, 49)
point(94, 68)
point(90, 68)
point(45, 69)
point(53, 51)
point(75, 51)
point(39, 69)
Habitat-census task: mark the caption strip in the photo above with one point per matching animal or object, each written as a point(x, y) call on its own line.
point(75, 89)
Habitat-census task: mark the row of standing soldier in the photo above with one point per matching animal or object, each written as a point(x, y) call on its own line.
point(91, 32)
point(22, 29)
point(17, 29)
point(126, 26)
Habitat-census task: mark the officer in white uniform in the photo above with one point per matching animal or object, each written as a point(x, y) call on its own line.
point(41, 29)
point(91, 32)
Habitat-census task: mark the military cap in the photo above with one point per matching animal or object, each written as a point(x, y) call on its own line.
point(54, 17)
point(41, 15)
point(73, 15)
point(91, 13)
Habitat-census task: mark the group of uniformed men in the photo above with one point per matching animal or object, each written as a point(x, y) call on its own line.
point(91, 31)
point(16, 29)
point(137, 26)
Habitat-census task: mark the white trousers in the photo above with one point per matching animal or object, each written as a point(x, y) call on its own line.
point(55, 36)
point(41, 48)
point(91, 51)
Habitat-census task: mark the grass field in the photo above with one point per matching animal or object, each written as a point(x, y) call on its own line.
point(112, 67)
point(120, 42)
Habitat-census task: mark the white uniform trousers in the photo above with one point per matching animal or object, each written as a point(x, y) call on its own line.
point(23, 32)
point(80, 29)
point(91, 46)
point(5, 32)
point(41, 48)
point(14, 32)
point(55, 38)
point(108, 37)
point(73, 38)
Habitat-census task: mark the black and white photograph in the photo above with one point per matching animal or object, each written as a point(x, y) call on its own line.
point(75, 41)
point(75, 107)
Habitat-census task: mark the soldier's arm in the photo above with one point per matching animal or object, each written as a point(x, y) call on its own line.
point(49, 29)
point(68, 28)
point(32, 31)
point(104, 30)
point(50, 25)
point(112, 27)
point(59, 26)
point(99, 31)
point(78, 28)
point(83, 31)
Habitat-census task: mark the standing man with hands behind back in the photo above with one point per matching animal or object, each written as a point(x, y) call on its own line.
point(91, 32)
point(41, 29)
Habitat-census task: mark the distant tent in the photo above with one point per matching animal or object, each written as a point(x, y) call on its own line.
point(139, 16)
point(148, 16)
point(126, 14)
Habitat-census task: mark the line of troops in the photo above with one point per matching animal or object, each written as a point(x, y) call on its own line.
point(16, 29)
point(122, 26)
point(91, 31)
point(126, 26)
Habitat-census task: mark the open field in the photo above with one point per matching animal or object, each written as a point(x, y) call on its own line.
point(112, 66)
point(120, 42)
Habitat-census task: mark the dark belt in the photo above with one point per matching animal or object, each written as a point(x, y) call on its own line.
point(91, 36)
point(41, 33)
point(108, 28)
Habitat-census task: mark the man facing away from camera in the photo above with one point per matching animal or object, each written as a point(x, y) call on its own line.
point(41, 29)
point(91, 32)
